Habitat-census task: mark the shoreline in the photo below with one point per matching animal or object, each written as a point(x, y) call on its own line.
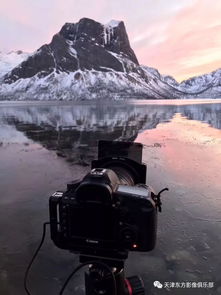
point(175, 102)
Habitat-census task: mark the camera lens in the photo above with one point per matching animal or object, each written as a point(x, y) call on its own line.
point(123, 174)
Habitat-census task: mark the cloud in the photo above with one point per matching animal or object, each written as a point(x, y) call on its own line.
point(174, 36)
point(202, 57)
point(47, 16)
point(154, 34)
point(192, 42)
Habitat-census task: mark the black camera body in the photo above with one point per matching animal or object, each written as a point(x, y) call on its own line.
point(111, 210)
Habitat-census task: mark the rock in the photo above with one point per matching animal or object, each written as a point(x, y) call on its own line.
point(85, 45)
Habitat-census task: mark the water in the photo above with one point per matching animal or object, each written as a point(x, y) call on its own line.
point(45, 145)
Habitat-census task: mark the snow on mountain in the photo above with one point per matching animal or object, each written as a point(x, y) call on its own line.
point(202, 83)
point(170, 80)
point(88, 60)
point(113, 23)
point(10, 60)
point(204, 86)
point(132, 81)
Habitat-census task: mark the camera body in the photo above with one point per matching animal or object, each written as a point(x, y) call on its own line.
point(111, 210)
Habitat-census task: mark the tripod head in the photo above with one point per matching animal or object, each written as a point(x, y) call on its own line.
point(106, 276)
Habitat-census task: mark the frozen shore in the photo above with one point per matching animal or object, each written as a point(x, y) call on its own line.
point(184, 155)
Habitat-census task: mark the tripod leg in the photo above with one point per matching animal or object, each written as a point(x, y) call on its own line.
point(135, 285)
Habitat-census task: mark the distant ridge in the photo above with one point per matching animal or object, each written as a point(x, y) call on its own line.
point(88, 60)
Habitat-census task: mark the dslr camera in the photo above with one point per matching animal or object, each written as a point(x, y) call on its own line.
point(111, 210)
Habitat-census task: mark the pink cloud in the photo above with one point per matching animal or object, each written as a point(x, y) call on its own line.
point(180, 38)
point(193, 34)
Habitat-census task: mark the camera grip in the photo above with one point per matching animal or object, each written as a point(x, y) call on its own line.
point(53, 212)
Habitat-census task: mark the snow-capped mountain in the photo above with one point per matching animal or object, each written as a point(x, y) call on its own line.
point(205, 84)
point(10, 60)
point(87, 60)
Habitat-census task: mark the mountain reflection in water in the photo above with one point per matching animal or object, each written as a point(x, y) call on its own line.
point(189, 226)
point(74, 130)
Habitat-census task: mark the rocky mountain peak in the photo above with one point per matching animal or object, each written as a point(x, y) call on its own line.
point(86, 45)
point(112, 36)
point(84, 28)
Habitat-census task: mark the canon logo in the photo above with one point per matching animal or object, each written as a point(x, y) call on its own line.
point(92, 241)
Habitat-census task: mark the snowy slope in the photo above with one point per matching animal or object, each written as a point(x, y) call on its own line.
point(202, 83)
point(10, 60)
point(134, 82)
point(88, 60)
point(203, 86)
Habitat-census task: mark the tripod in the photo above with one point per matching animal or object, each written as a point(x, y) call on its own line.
point(110, 280)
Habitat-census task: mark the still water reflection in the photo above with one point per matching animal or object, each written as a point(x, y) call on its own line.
point(42, 146)
point(73, 130)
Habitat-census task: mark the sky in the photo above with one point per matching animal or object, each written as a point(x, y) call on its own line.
point(180, 38)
